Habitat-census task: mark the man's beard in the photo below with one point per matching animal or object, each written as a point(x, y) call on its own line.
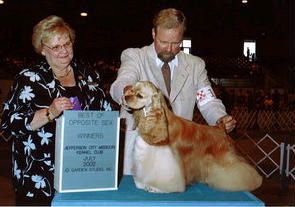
point(166, 56)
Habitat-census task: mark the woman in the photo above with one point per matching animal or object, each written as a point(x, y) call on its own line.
point(39, 95)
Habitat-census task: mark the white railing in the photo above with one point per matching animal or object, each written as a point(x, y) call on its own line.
point(290, 170)
point(268, 155)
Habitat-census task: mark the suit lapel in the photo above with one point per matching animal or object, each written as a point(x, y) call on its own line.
point(180, 75)
point(157, 73)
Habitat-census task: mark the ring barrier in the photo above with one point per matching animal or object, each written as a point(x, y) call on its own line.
point(270, 156)
point(290, 170)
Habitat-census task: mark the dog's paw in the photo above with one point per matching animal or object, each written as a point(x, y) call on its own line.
point(146, 187)
point(152, 189)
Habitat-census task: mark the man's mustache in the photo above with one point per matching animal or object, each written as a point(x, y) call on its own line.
point(166, 57)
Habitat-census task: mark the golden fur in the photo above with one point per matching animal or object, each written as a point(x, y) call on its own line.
point(204, 153)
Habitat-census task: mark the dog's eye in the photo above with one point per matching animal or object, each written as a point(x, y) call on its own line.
point(139, 95)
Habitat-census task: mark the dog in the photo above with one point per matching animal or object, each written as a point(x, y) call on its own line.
point(171, 153)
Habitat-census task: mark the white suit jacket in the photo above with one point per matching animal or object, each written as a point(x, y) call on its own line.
point(189, 76)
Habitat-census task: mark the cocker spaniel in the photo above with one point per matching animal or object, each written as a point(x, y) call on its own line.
point(171, 152)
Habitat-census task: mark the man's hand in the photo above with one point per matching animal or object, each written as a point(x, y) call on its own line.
point(228, 121)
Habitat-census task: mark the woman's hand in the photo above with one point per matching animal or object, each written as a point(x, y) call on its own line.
point(58, 105)
point(43, 116)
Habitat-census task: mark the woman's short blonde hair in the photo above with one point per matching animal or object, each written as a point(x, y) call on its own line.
point(47, 28)
point(169, 18)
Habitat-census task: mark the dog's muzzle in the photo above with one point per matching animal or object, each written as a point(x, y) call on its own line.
point(124, 103)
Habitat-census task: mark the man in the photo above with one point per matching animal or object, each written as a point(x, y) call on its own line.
point(188, 78)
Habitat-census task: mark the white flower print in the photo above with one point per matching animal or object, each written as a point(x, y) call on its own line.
point(15, 116)
point(83, 82)
point(16, 171)
point(29, 145)
point(45, 137)
point(6, 106)
point(92, 85)
point(107, 106)
point(97, 74)
point(91, 100)
point(29, 194)
point(33, 76)
point(48, 163)
point(51, 84)
point(26, 94)
point(39, 181)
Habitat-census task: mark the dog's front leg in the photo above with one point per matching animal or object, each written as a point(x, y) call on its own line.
point(156, 169)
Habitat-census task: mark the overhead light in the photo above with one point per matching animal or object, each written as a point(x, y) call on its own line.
point(1, 2)
point(82, 14)
point(244, 1)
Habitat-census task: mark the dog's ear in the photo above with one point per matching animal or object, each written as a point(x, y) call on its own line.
point(154, 127)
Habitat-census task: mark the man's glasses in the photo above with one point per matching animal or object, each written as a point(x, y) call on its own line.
point(58, 48)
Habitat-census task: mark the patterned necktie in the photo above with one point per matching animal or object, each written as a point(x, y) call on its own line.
point(167, 76)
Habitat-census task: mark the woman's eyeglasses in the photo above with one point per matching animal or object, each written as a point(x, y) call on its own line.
point(58, 48)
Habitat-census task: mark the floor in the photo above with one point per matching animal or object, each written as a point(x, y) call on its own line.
point(274, 191)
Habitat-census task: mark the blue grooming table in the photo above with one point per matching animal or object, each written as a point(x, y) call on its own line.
point(128, 195)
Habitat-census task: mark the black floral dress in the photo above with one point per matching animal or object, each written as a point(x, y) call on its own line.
point(33, 151)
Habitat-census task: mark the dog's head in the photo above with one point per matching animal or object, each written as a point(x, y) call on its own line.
point(147, 104)
point(140, 95)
